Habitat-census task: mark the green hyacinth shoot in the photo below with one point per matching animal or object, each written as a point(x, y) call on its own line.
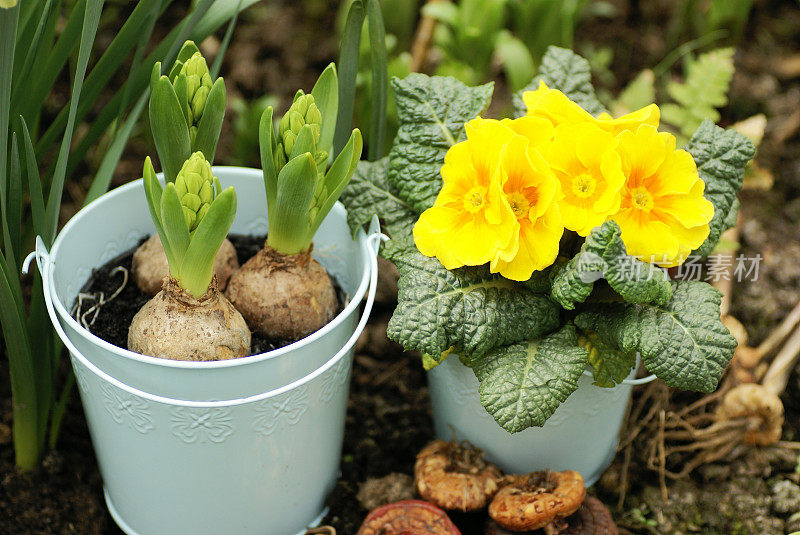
point(301, 188)
point(187, 107)
point(198, 85)
point(192, 217)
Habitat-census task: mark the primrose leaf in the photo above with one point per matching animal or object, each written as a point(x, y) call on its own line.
point(610, 366)
point(603, 255)
point(432, 112)
point(721, 157)
point(466, 308)
point(683, 341)
point(522, 385)
point(568, 72)
point(370, 193)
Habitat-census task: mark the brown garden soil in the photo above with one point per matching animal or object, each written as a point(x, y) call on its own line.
point(388, 417)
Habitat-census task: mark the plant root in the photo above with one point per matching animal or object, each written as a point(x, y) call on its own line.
point(99, 299)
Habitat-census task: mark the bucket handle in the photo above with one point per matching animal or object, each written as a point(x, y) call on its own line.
point(44, 263)
point(631, 382)
point(641, 381)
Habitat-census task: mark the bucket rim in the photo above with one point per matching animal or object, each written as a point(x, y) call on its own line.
point(354, 302)
point(342, 353)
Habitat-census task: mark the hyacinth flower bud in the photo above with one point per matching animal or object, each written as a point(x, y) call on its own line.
point(195, 188)
point(187, 107)
point(303, 111)
point(198, 84)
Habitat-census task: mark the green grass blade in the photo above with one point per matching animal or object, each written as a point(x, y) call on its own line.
point(146, 33)
point(44, 354)
point(215, 67)
point(33, 47)
point(34, 182)
point(210, 16)
point(107, 66)
point(380, 80)
point(8, 29)
point(91, 20)
point(209, 20)
point(102, 179)
point(23, 376)
point(12, 222)
point(348, 69)
point(60, 408)
point(29, 97)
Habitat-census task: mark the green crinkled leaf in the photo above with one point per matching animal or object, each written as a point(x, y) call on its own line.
point(603, 255)
point(610, 366)
point(568, 72)
point(721, 156)
point(432, 112)
point(683, 342)
point(522, 385)
point(466, 308)
point(370, 193)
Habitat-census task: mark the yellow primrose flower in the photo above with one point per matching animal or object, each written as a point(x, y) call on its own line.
point(471, 220)
point(538, 130)
point(532, 193)
point(663, 214)
point(584, 159)
point(553, 105)
point(7, 4)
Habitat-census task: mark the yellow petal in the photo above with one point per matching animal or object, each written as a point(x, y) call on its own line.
point(538, 248)
point(688, 210)
point(537, 129)
point(647, 238)
point(678, 174)
point(643, 152)
point(432, 231)
point(649, 115)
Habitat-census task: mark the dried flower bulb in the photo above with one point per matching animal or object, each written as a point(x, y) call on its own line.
point(455, 476)
point(409, 517)
point(592, 518)
point(762, 408)
point(537, 499)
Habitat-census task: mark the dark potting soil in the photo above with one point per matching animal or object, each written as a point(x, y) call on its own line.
point(113, 318)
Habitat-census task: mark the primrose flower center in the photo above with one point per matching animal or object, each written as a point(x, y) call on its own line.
point(519, 204)
point(473, 200)
point(641, 199)
point(584, 185)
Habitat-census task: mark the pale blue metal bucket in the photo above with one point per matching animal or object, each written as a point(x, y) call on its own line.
point(245, 446)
